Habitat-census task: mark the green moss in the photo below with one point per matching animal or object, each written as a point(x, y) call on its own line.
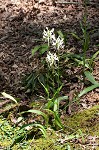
point(86, 120)
point(41, 143)
point(4, 133)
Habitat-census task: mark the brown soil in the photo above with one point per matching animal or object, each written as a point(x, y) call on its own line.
point(21, 26)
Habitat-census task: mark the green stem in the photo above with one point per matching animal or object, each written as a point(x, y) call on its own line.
point(85, 44)
point(53, 71)
point(58, 70)
point(48, 68)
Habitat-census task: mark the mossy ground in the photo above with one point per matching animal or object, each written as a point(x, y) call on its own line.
point(85, 121)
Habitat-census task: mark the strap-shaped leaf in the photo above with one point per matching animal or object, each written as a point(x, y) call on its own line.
point(75, 36)
point(95, 55)
point(36, 48)
point(60, 34)
point(90, 77)
point(38, 112)
point(88, 89)
point(36, 125)
point(58, 120)
point(44, 48)
point(49, 104)
point(45, 88)
point(57, 101)
point(57, 91)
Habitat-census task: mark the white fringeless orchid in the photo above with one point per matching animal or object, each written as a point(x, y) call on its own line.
point(58, 43)
point(48, 35)
point(51, 60)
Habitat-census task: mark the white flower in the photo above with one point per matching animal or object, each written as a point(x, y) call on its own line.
point(51, 59)
point(48, 35)
point(58, 43)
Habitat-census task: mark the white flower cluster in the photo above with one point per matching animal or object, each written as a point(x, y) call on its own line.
point(51, 59)
point(48, 35)
point(57, 43)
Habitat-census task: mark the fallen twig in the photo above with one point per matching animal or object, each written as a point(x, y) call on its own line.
point(77, 3)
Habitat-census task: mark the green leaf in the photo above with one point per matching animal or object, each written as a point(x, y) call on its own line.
point(72, 56)
point(94, 56)
point(62, 98)
point(90, 77)
point(58, 120)
point(36, 125)
point(9, 97)
point(57, 91)
point(56, 105)
point(75, 36)
point(57, 101)
point(38, 112)
point(60, 34)
point(83, 30)
point(88, 89)
point(82, 63)
point(36, 48)
point(82, 135)
point(49, 111)
point(49, 104)
point(45, 88)
point(44, 48)
point(70, 137)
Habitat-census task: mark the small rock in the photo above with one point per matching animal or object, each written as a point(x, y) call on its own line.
point(42, 1)
point(15, 66)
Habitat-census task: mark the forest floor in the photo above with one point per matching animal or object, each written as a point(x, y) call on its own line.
point(21, 26)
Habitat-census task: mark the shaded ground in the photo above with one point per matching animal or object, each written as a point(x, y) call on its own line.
point(22, 24)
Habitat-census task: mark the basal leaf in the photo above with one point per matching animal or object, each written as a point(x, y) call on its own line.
point(38, 112)
point(57, 120)
point(90, 77)
point(41, 127)
point(56, 105)
point(57, 101)
point(62, 98)
point(80, 62)
point(88, 89)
